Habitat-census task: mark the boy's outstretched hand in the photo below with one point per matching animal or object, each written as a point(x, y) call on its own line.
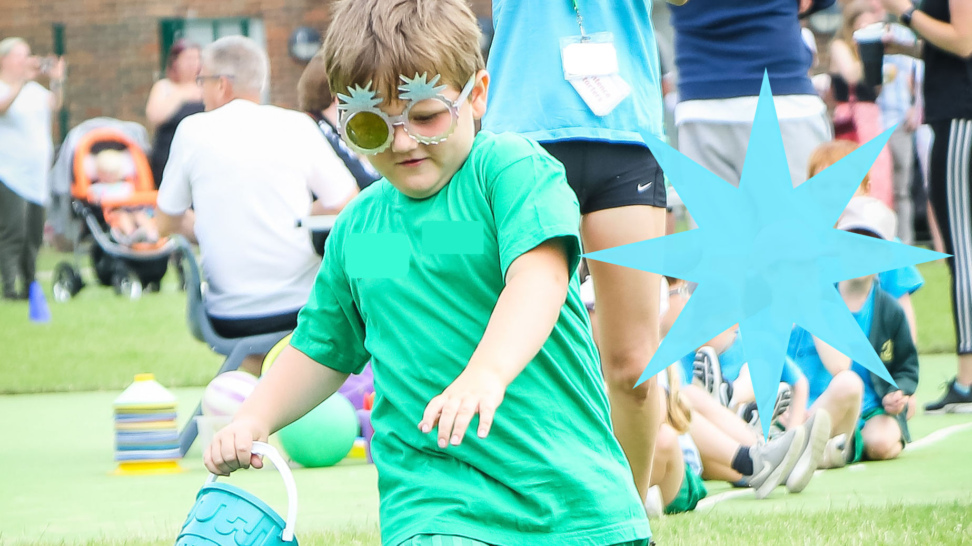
point(474, 391)
point(232, 448)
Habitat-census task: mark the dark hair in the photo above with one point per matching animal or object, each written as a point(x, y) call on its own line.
point(177, 49)
point(313, 90)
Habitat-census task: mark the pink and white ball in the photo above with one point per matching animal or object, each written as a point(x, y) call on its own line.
point(226, 392)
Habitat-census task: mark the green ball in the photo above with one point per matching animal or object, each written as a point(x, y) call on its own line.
point(324, 436)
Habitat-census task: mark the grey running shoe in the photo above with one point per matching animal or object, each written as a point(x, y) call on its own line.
point(818, 432)
point(708, 374)
point(835, 454)
point(750, 414)
point(774, 460)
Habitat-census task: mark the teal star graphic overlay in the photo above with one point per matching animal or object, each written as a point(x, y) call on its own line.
point(766, 255)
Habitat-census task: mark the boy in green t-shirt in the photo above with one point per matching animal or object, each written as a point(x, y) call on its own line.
point(456, 276)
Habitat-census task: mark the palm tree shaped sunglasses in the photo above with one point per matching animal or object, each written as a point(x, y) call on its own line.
point(429, 117)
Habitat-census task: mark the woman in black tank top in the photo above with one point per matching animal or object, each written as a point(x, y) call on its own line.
point(946, 29)
point(171, 100)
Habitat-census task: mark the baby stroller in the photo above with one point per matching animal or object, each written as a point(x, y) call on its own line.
point(129, 268)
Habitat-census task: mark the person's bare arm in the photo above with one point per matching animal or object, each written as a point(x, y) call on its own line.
point(57, 94)
point(954, 37)
point(294, 385)
point(15, 90)
point(163, 101)
point(832, 359)
point(180, 224)
point(677, 2)
point(843, 62)
point(57, 83)
point(521, 322)
point(798, 403)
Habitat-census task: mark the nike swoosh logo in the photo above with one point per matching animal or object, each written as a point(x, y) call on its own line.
point(643, 187)
point(757, 476)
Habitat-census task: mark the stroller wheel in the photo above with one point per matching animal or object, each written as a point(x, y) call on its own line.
point(126, 283)
point(67, 282)
point(180, 271)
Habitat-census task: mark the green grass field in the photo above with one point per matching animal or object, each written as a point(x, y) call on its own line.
point(57, 383)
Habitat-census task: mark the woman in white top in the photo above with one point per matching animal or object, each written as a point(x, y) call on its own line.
point(26, 151)
point(172, 99)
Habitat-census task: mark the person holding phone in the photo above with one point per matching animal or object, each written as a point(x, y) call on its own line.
point(26, 151)
point(945, 27)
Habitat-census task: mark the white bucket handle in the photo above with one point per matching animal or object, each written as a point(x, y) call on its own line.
point(261, 448)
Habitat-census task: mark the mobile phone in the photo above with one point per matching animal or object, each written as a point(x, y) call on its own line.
point(47, 64)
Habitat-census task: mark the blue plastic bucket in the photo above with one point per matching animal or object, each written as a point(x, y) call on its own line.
point(225, 515)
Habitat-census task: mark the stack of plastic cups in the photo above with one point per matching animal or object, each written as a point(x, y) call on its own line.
point(364, 418)
point(146, 436)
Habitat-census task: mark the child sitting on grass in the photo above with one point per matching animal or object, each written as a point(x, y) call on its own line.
point(719, 369)
point(870, 413)
point(701, 439)
point(129, 225)
point(456, 275)
point(899, 283)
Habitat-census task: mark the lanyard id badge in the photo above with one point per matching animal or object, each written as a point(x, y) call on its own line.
point(589, 55)
point(590, 63)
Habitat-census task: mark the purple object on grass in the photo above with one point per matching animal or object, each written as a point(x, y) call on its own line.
point(358, 386)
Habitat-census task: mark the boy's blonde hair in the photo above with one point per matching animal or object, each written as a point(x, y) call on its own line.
point(831, 152)
point(377, 40)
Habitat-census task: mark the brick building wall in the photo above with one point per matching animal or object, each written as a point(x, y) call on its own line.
point(113, 46)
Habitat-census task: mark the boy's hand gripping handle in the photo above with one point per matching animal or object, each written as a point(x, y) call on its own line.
point(261, 448)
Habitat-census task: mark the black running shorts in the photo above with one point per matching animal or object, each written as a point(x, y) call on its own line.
point(607, 175)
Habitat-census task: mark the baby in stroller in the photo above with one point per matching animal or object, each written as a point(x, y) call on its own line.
point(129, 224)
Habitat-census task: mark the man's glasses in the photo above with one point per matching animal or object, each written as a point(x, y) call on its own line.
point(429, 120)
point(200, 80)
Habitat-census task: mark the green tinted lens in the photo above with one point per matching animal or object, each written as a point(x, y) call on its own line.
point(366, 130)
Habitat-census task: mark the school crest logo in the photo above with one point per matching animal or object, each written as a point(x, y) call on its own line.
point(887, 351)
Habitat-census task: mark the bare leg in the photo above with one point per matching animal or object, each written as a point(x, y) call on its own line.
point(716, 449)
point(143, 221)
point(628, 305)
point(965, 369)
point(796, 415)
point(592, 313)
point(125, 222)
point(938, 244)
point(842, 400)
point(669, 465)
point(726, 421)
point(882, 438)
point(742, 389)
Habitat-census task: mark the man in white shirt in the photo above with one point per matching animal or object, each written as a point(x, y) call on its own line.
point(247, 172)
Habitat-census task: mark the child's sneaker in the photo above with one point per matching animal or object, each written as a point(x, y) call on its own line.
point(818, 431)
point(708, 374)
point(750, 413)
point(773, 461)
point(836, 452)
point(951, 402)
